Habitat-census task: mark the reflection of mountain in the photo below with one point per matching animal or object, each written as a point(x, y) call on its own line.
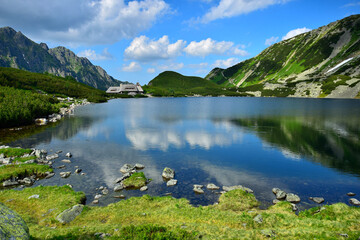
point(332, 143)
point(66, 129)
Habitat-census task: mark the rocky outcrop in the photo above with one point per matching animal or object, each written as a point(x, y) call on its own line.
point(12, 226)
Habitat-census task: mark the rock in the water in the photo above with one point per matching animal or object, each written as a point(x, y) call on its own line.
point(34, 196)
point(51, 157)
point(126, 168)
point(317, 199)
point(68, 155)
point(118, 188)
point(351, 194)
point(294, 207)
point(12, 226)
point(212, 186)
point(280, 195)
point(354, 201)
point(105, 191)
point(275, 201)
point(227, 189)
point(97, 196)
point(9, 183)
point(139, 166)
point(198, 189)
point(70, 214)
point(50, 175)
point(27, 181)
point(275, 190)
point(65, 174)
point(95, 201)
point(61, 167)
point(144, 188)
point(66, 161)
point(258, 218)
point(268, 233)
point(78, 170)
point(171, 182)
point(168, 173)
point(40, 153)
point(293, 198)
point(120, 196)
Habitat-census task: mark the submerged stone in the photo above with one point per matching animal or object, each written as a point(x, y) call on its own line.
point(171, 182)
point(212, 186)
point(317, 199)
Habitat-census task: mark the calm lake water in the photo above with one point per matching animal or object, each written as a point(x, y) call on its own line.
point(309, 147)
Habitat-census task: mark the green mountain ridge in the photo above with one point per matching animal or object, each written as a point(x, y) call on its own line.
point(306, 65)
point(18, 51)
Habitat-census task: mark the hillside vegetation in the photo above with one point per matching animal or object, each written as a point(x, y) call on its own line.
point(170, 83)
point(303, 66)
point(25, 96)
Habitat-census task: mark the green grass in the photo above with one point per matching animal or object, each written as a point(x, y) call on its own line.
point(24, 159)
point(23, 170)
point(136, 180)
point(332, 82)
point(15, 152)
point(169, 218)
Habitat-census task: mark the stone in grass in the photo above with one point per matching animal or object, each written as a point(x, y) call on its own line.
point(12, 226)
point(168, 173)
point(171, 182)
point(212, 186)
point(258, 219)
point(136, 180)
point(293, 198)
point(268, 233)
point(34, 196)
point(70, 214)
point(317, 199)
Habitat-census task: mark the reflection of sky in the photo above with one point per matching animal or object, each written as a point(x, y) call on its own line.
point(197, 135)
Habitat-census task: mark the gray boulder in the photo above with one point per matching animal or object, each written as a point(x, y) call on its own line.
point(351, 194)
point(139, 166)
point(198, 189)
point(118, 188)
point(212, 186)
point(317, 199)
point(70, 214)
point(9, 183)
point(51, 157)
point(40, 153)
point(168, 173)
point(171, 182)
point(126, 168)
point(68, 155)
point(65, 174)
point(354, 201)
point(12, 226)
point(276, 190)
point(144, 188)
point(293, 198)
point(280, 195)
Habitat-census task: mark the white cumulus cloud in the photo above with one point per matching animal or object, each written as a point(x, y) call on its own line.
point(81, 21)
point(207, 47)
point(132, 67)
point(295, 32)
point(225, 63)
point(171, 66)
point(151, 70)
point(231, 8)
point(145, 50)
point(271, 41)
point(92, 55)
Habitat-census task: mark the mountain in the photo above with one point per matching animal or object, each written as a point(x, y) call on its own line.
point(324, 62)
point(18, 51)
point(170, 83)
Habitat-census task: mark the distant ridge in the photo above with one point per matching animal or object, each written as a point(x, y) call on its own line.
point(18, 51)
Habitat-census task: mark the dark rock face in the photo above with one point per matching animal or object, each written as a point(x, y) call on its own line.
point(12, 226)
point(18, 51)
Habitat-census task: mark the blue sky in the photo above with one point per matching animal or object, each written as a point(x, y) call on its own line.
point(138, 39)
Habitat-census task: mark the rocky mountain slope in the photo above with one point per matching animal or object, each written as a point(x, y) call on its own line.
point(324, 62)
point(18, 51)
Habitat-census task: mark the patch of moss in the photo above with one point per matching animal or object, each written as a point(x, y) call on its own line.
point(237, 200)
point(136, 180)
point(23, 170)
point(14, 152)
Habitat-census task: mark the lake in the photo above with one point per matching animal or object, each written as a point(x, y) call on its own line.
point(309, 147)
